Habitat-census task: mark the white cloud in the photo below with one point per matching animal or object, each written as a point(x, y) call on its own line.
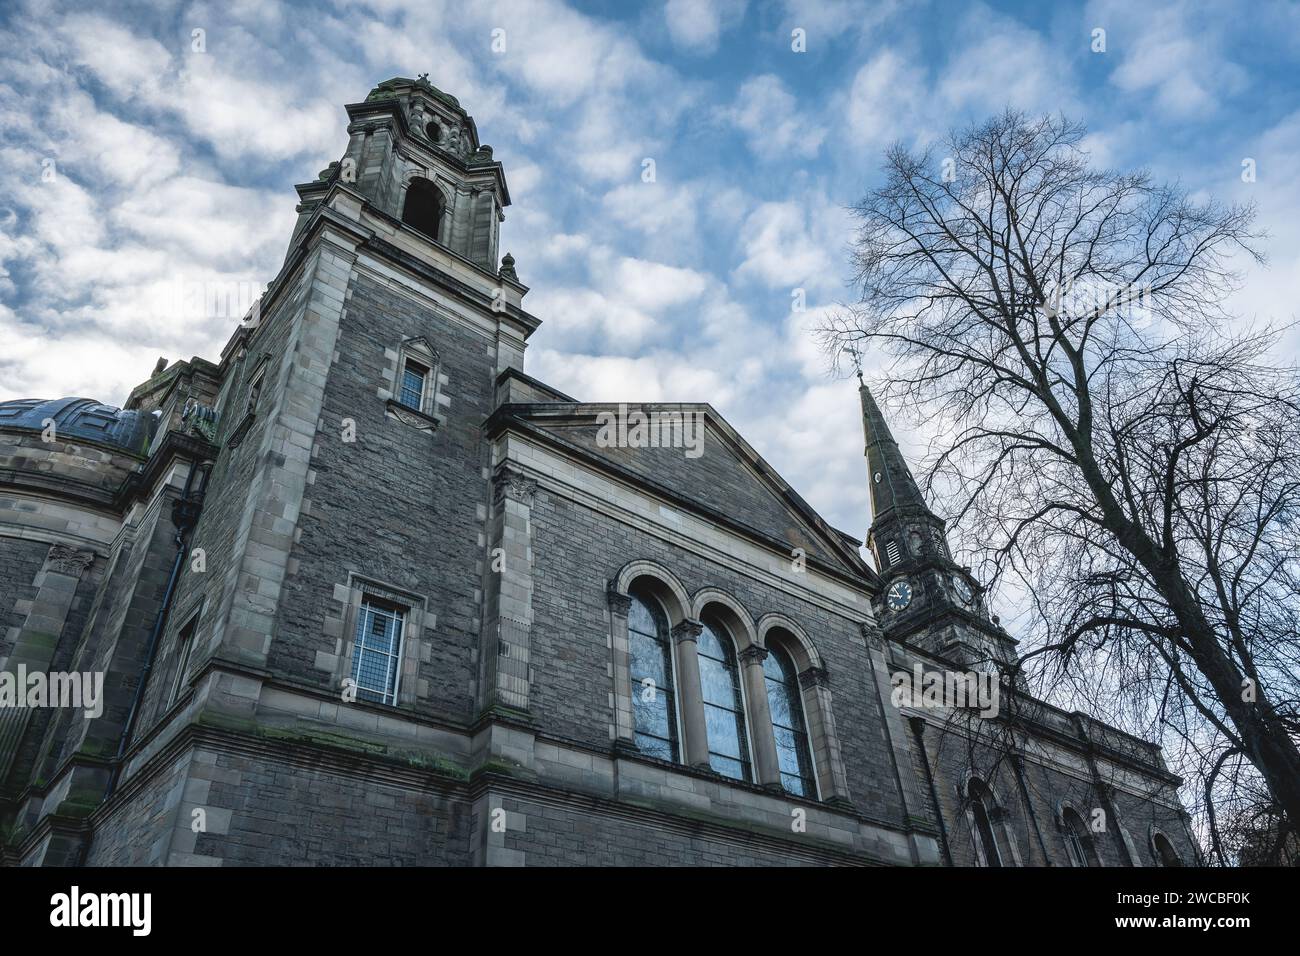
point(696, 25)
point(1171, 52)
point(772, 120)
point(885, 99)
point(1007, 65)
point(789, 244)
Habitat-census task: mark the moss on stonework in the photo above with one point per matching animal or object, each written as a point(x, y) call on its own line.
point(338, 742)
point(96, 747)
point(80, 806)
point(507, 768)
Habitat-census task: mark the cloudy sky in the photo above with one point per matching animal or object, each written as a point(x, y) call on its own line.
point(135, 165)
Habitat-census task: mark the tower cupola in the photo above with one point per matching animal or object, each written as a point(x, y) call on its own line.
point(414, 154)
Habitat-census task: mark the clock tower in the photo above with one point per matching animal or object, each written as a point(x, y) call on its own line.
point(926, 599)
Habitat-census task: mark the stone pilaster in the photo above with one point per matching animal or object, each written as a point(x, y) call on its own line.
point(623, 727)
point(900, 744)
point(39, 636)
point(694, 730)
point(831, 777)
point(508, 612)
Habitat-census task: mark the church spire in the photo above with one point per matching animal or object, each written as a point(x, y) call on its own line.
point(926, 597)
point(892, 484)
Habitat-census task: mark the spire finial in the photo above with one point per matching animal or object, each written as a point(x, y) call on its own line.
point(856, 357)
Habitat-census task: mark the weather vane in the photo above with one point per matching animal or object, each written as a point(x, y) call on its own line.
point(856, 359)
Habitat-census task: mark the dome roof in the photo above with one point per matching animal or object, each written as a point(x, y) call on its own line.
point(83, 418)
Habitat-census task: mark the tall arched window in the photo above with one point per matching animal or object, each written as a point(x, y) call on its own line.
point(786, 707)
point(423, 207)
point(1165, 853)
point(724, 711)
point(653, 703)
point(980, 802)
point(1077, 841)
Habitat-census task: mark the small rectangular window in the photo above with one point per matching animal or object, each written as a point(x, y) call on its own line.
point(377, 652)
point(891, 552)
point(255, 387)
point(185, 647)
point(414, 375)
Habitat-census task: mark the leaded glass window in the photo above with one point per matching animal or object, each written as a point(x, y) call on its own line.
point(377, 653)
point(1074, 839)
point(983, 824)
point(724, 712)
point(653, 702)
point(786, 706)
point(414, 376)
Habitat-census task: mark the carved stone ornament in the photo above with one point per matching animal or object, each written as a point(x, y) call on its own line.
point(69, 561)
point(619, 603)
point(409, 416)
point(513, 486)
point(813, 677)
point(687, 630)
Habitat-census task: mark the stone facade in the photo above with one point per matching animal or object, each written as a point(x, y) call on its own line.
point(368, 462)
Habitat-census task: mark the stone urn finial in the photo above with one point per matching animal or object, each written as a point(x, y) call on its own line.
point(508, 267)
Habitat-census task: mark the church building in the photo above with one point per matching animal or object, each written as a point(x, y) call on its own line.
point(360, 590)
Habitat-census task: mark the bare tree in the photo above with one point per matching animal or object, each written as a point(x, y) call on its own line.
point(1114, 446)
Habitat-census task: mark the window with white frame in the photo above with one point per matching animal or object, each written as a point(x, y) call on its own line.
point(416, 378)
point(377, 650)
point(412, 386)
point(255, 387)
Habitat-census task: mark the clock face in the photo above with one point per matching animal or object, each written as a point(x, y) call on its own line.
point(962, 588)
point(899, 596)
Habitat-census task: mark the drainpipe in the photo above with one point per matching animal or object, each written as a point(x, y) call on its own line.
point(185, 515)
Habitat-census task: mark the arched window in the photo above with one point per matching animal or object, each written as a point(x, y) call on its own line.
point(1165, 853)
point(724, 712)
point(653, 703)
point(1077, 841)
point(423, 207)
point(786, 706)
point(980, 802)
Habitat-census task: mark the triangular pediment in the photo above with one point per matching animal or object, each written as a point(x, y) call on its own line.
point(689, 452)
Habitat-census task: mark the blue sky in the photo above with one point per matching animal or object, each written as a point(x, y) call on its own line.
point(174, 166)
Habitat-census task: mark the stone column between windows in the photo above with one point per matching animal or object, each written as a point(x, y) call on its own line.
point(623, 728)
point(694, 730)
point(56, 587)
point(508, 621)
point(767, 766)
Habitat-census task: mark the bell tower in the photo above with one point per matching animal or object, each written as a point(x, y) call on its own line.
point(414, 155)
point(928, 599)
